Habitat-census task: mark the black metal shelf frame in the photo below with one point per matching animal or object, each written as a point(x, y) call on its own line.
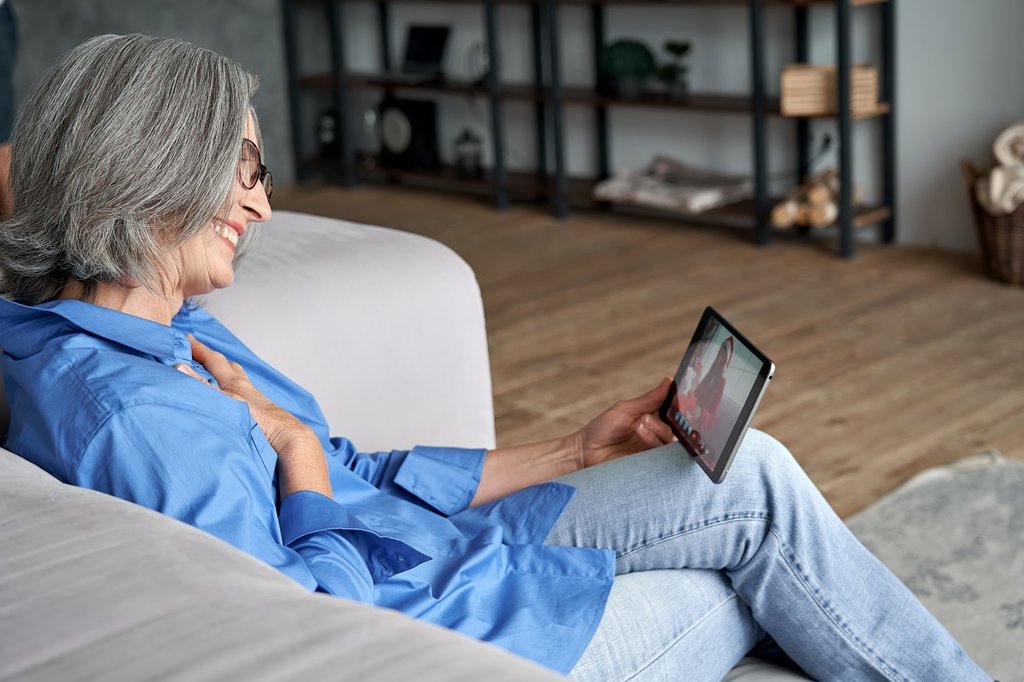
point(759, 112)
point(551, 97)
point(340, 91)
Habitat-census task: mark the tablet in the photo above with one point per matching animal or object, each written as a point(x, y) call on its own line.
point(716, 390)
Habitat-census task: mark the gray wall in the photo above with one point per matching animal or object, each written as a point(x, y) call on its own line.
point(959, 81)
point(248, 31)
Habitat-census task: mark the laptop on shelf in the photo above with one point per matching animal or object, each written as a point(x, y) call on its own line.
point(423, 59)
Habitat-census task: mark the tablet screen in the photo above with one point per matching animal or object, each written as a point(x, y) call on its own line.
point(717, 387)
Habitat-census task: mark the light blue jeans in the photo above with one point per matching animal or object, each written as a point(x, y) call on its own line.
point(760, 554)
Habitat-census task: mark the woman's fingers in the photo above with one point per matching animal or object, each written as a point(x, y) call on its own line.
point(215, 363)
point(231, 377)
point(659, 430)
point(205, 354)
point(281, 427)
point(185, 369)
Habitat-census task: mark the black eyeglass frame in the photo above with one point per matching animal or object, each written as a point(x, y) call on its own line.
point(262, 175)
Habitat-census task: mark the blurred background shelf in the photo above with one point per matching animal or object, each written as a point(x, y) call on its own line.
point(550, 181)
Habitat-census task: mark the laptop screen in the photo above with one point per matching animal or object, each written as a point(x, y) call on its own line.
point(424, 49)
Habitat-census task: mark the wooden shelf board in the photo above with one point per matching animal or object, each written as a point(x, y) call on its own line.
point(521, 186)
point(699, 101)
point(863, 216)
point(854, 3)
point(713, 3)
point(325, 81)
point(715, 102)
point(526, 186)
point(880, 109)
point(737, 213)
point(696, 3)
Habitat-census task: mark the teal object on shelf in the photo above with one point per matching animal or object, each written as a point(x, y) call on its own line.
point(623, 68)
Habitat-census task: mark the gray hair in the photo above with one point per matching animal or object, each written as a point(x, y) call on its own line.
point(126, 148)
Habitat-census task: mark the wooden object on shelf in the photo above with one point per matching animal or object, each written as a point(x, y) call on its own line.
point(810, 90)
point(814, 203)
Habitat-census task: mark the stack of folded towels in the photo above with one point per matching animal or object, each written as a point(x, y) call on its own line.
point(1002, 190)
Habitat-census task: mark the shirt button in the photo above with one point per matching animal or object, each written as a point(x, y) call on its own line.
point(382, 562)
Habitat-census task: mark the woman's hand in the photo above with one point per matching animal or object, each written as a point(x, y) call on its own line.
point(627, 427)
point(300, 458)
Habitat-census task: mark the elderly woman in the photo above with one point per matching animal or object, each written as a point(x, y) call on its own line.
point(138, 184)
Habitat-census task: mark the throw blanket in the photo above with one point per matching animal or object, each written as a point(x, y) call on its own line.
point(1002, 191)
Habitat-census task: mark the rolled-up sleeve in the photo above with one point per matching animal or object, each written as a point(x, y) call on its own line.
point(446, 479)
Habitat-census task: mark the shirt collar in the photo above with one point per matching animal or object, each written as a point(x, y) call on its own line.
point(26, 329)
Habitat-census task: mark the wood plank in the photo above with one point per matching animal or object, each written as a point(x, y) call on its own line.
point(896, 361)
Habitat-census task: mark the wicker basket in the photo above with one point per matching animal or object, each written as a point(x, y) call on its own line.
point(1001, 237)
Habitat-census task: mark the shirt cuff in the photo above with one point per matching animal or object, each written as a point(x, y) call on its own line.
point(444, 478)
point(306, 513)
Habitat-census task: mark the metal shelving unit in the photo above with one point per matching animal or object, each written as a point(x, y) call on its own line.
point(340, 82)
point(759, 106)
point(551, 96)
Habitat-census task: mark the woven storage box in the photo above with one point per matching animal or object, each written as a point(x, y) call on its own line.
point(810, 90)
point(1001, 237)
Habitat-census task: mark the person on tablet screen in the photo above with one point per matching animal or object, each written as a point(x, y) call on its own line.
point(606, 553)
point(700, 395)
point(707, 396)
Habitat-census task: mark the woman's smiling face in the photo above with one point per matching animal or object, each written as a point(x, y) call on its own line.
point(205, 262)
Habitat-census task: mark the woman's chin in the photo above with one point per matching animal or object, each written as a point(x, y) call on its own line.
point(222, 281)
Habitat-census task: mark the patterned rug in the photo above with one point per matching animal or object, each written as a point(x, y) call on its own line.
point(955, 536)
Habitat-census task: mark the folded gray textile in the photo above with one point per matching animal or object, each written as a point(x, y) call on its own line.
point(668, 184)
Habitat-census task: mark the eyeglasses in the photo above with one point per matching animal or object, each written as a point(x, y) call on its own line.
point(251, 169)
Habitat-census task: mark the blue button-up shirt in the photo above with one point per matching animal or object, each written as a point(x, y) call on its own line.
point(96, 401)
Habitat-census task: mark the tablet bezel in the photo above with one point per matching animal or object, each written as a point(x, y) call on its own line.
point(750, 404)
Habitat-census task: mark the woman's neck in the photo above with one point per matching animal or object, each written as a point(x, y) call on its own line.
point(138, 300)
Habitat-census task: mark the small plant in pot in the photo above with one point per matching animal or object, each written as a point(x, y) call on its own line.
point(673, 73)
point(623, 68)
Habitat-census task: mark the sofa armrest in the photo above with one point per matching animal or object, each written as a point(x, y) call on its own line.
point(93, 587)
point(385, 328)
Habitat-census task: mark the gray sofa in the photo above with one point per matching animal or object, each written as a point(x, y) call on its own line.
point(92, 587)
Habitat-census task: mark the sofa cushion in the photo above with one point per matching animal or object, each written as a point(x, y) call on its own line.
point(92, 587)
point(384, 327)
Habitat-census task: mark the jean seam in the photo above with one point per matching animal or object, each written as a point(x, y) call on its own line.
point(802, 580)
point(676, 639)
point(833, 617)
point(727, 518)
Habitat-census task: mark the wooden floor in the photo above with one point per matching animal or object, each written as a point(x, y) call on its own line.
point(888, 364)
